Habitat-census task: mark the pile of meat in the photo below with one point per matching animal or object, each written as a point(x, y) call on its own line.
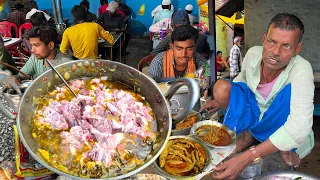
point(103, 123)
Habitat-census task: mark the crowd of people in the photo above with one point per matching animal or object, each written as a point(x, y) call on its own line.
point(268, 98)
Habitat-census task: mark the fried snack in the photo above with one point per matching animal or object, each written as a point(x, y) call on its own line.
point(186, 123)
point(183, 157)
point(214, 135)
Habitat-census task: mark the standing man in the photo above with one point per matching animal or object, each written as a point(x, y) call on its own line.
point(271, 100)
point(160, 7)
point(235, 57)
point(189, 9)
point(83, 37)
point(90, 16)
point(164, 13)
point(17, 16)
point(181, 60)
point(43, 40)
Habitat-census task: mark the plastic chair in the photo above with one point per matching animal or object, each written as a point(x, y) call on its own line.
point(24, 28)
point(25, 45)
point(145, 61)
point(9, 29)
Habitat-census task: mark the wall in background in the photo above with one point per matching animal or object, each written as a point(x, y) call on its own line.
point(140, 24)
point(259, 13)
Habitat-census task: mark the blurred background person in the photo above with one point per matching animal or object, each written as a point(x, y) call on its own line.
point(83, 37)
point(189, 9)
point(110, 20)
point(34, 9)
point(90, 17)
point(160, 7)
point(124, 8)
point(165, 12)
point(103, 7)
point(38, 19)
point(17, 17)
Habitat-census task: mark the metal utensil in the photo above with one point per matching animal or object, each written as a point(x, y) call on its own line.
point(63, 80)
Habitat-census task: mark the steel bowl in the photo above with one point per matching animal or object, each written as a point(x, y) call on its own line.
point(169, 176)
point(214, 123)
point(288, 174)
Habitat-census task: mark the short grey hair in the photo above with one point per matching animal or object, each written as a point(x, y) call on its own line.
point(286, 21)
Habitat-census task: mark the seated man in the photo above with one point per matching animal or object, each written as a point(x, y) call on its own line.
point(271, 100)
point(34, 9)
point(124, 8)
point(43, 40)
point(180, 17)
point(5, 57)
point(83, 37)
point(159, 7)
point(103, 7)
point(181, 59)
point(111, 21)
point(90, 16)
point(221, 65)
point(38, 19)
point(18, 17)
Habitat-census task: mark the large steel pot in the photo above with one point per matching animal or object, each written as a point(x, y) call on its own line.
point(114, 71)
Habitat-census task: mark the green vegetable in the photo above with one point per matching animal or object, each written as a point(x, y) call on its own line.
point(298, 178)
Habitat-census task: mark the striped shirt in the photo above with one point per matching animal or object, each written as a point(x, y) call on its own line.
point(234, 61)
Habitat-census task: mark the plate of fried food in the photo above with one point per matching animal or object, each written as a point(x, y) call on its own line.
point(183, 127)
point(213, 134)
point(183, 157)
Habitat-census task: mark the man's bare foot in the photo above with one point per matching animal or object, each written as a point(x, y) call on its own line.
point(243, 141)
point(290, 158)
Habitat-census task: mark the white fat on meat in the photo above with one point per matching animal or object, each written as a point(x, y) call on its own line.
point(103, 151)
point(76, 138)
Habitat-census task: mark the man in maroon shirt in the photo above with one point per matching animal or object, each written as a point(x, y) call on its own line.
point(104, 6)
point(17, 16)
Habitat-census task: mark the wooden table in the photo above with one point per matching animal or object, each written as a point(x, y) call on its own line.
point(105, 44)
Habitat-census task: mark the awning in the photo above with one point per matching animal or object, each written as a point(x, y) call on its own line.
point(230, 7)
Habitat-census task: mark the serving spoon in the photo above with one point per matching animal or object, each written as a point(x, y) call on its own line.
point(63, 80)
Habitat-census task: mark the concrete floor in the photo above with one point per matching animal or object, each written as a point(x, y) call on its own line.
point(139, 48)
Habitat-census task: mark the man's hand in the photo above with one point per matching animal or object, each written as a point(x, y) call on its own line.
point(211, 106)
point(169, 31)
point(231, 168)
point(16, 79)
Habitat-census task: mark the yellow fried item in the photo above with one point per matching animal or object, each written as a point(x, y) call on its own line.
point(164, 154)
point(178, 167)
point(182, 157)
